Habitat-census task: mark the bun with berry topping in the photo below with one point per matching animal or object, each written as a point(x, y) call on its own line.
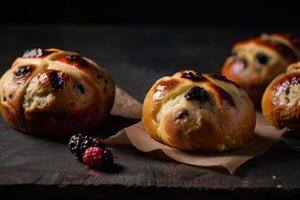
point(199, 112)
point(281, 100)
point(54, 92)
point(255, 62)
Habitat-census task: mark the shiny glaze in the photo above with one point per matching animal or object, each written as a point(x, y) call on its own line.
point(223, 95)
point(294, 41)
point(198, 93)
point(163, 87)
point(223, 78)
point(281, 48)
point(294, 67)
point(74, 60)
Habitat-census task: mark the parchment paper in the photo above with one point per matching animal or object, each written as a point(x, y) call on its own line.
point(265, 135)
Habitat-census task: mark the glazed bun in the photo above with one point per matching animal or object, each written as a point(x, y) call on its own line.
point(199, 112)
point(53, 92)
point(255, 62)
point(281, 100)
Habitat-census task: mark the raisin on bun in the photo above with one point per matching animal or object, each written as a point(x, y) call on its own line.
point(54, 92)
point(281, 100)
point(255, 62)
point(199, 112)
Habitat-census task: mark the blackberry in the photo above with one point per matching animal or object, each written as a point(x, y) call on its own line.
point(75, 145)
point(79, 143)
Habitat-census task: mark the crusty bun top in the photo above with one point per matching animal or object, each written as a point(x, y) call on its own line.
point(281, 100)
point(255, 62)
point(55, 92)
point(198, 112)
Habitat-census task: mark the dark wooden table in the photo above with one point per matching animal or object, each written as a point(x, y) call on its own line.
point(35, 168)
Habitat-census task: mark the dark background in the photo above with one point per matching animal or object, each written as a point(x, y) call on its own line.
point(138, 42)
point(145, 12)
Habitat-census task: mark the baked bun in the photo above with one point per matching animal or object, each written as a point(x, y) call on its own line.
point(199, 112)
point(53, 92)
point(255, 62)
point(281, 100)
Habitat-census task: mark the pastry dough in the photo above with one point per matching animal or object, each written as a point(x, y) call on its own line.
point(255, 62)
point(199, 112)
point(281, 100)
point(54, 92)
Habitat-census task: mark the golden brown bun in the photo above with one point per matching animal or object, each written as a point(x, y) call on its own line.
point(281, 100)
point(199, 112)
point(53, 92)
point(255, 62)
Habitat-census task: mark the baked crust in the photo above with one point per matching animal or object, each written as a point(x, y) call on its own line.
point(54, 92)
point(199, 112)
point(281, 100)
point(255, 62)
